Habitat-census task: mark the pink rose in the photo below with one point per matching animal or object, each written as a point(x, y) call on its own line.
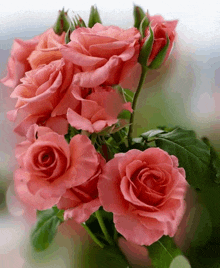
point(18, 63)
point(106, 54)
point(39, 93)
point(49, 166)
point(91, 109)
point(47, 49)
point(81, 201)
point(161, 28)
point(145, 191)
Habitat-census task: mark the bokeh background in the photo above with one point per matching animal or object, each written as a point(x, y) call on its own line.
point(184, 92)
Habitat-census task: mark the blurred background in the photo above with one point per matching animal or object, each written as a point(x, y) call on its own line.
point(184, 92)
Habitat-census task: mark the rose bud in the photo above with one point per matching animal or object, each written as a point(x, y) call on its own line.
point(164, 36)
point(62, 24)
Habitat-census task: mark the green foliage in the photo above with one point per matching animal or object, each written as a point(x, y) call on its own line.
point(193, 154)
point(94, 17)
point(108, 257)
point(71, 132)
point(46, 228)
point(163, 252)
point(92, 225)
point(215, 160)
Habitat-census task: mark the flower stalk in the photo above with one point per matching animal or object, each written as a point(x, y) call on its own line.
point(134, 103)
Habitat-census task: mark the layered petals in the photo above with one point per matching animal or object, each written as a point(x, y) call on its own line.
point(145, 192)
point(104, 54)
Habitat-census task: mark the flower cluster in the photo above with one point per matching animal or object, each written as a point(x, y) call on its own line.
point(58, 83)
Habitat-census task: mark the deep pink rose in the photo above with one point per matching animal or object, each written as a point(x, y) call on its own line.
point(145, 191)
point(39, 93)
point(161, 28)
point(46, 51)
point(81, 201)
point(18, 63)
point(49, 166)
point(106, 54)
point(91, 109)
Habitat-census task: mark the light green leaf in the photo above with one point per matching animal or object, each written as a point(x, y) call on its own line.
point(46, 227)
point(180, 262)
point(163, 252)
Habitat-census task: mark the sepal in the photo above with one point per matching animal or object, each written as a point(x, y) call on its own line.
point(62, 24)
point(94, 17)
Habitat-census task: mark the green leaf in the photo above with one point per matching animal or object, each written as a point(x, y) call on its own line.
point(159, 59)
point(146, 49)
point(46, 228)
point(71, 133)
point(125, 114)
point(94, 17)
point(151, 133)
point(138, 16)
point(108, 257)
point(163, 252)
point(127, 94)
point(193, 154)
point(215, 160)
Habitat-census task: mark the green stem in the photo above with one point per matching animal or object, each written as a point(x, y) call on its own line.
point(94, 238)
point(103, 227)
point(141, 82)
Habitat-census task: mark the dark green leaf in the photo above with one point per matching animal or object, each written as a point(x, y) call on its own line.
point(146, 49)
point(108, 257)
point(193, 155)
point(159, 59)
point(94, 17)
point(46, 227)
point(138, 16)
point(163, 252)
point(71, 133)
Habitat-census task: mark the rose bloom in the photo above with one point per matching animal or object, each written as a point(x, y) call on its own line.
point(39, 93)
point(91, 110)
point(161, 28)
point(28, 55)
point(81, 201)
point(145, 192)
point(49, 166)
point(18, 63)
point(106, 54)
point(46, 50)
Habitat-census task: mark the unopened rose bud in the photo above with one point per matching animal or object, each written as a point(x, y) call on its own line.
point(164, 37)
point(94, 17)
point(62, 24)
